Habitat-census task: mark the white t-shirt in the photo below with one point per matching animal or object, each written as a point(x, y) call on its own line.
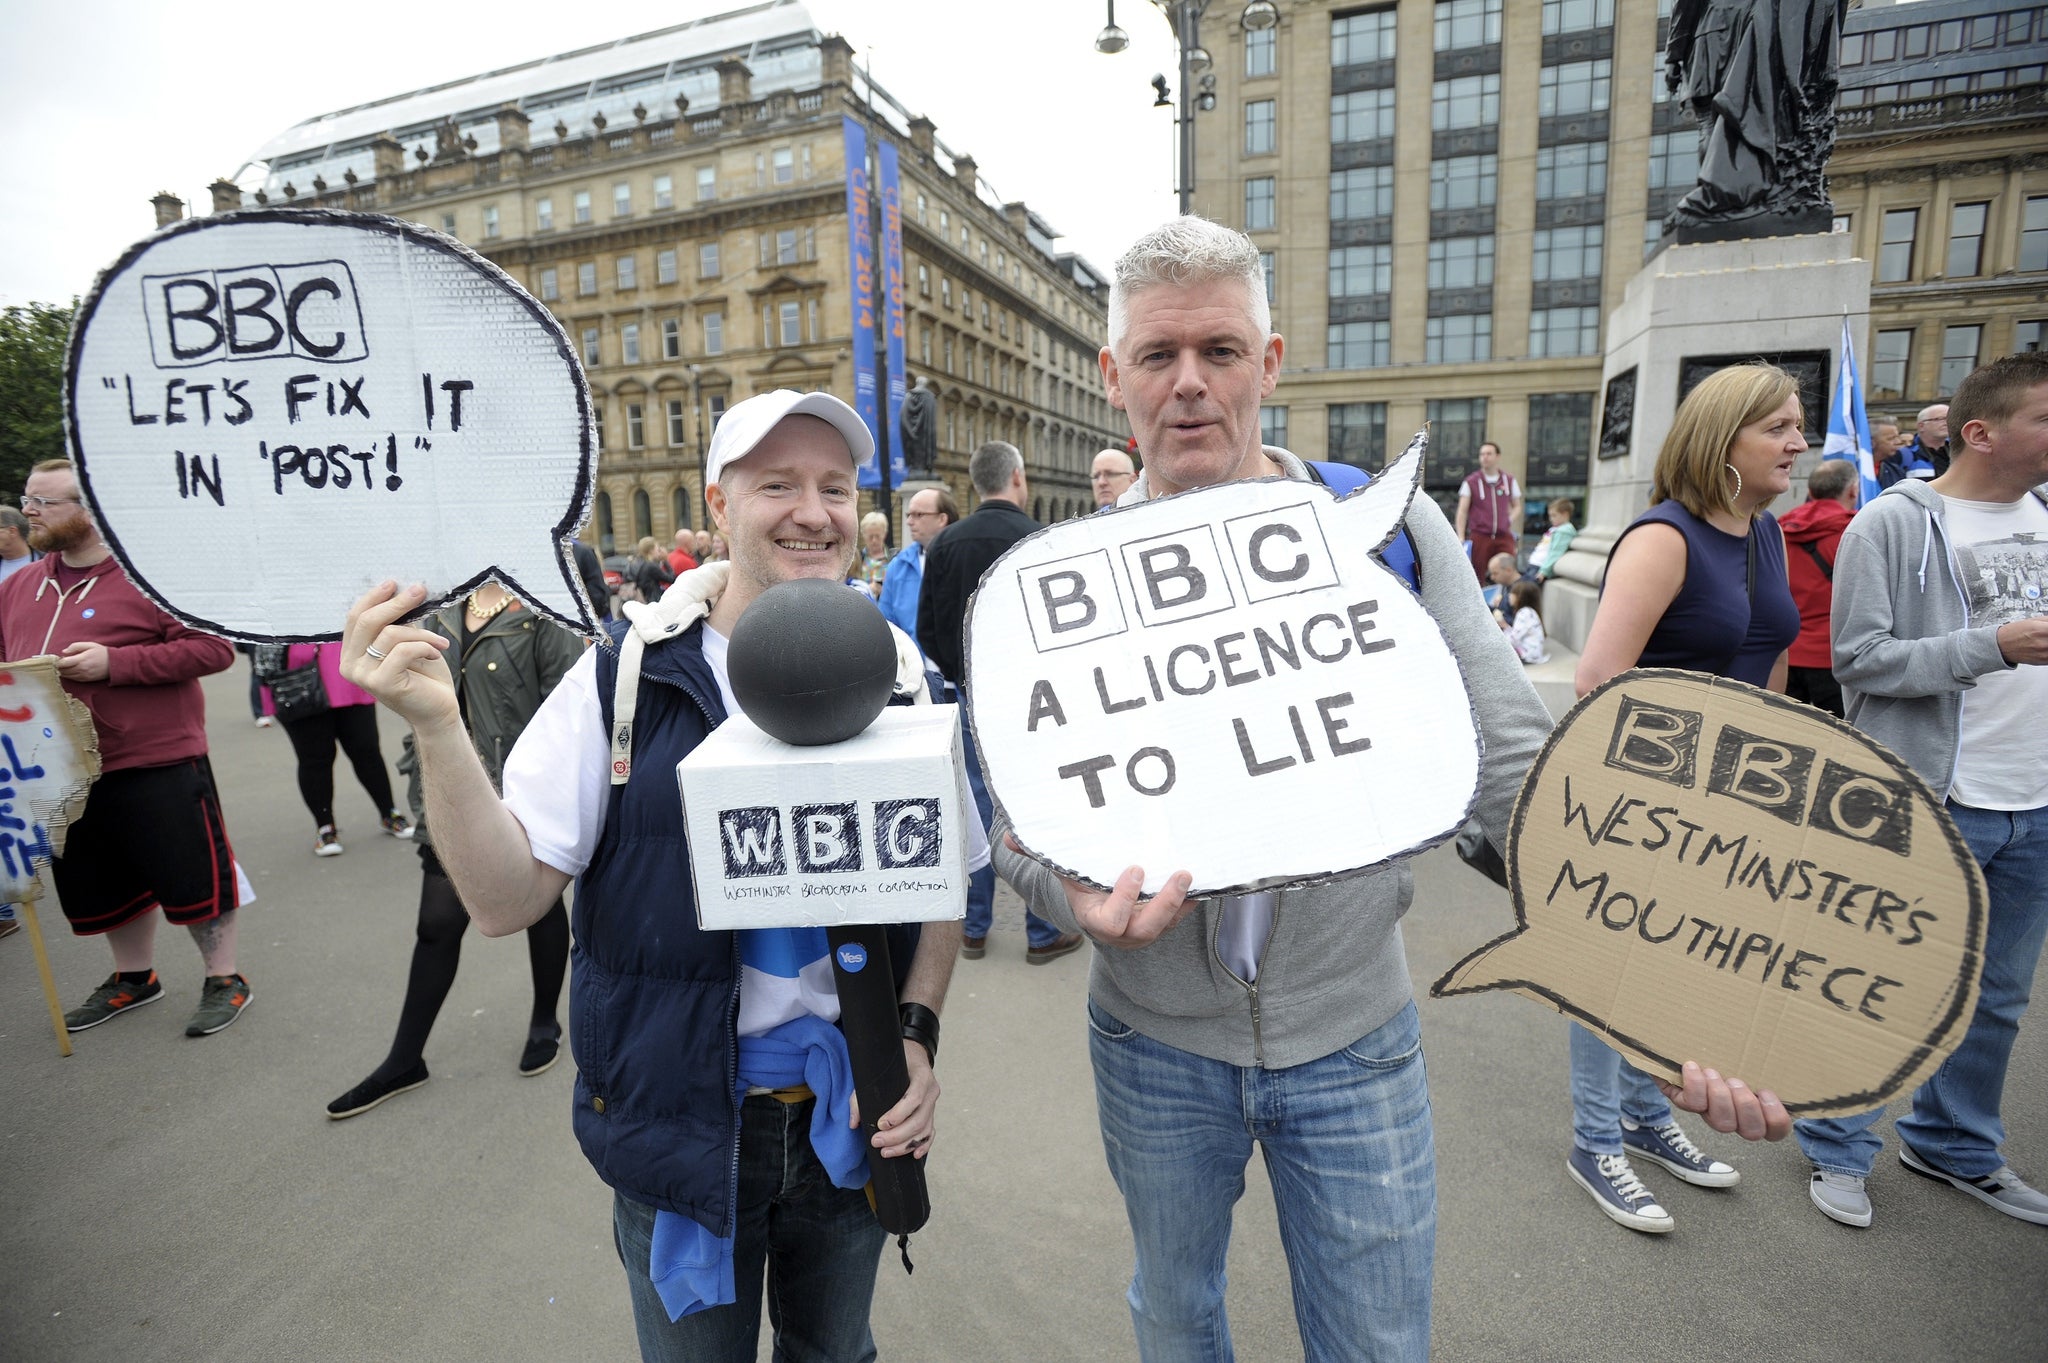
point(2002, 551)
point(558, 785)
point(10, 566)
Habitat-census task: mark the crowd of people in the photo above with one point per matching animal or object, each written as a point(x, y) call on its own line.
point(711, 1094)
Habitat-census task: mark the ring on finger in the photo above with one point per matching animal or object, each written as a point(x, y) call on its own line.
point(375, 652)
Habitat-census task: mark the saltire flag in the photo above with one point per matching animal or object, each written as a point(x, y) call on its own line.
point(1848, 424)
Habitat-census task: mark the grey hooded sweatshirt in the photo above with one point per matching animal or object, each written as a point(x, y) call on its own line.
point(1333, 968)
point(1906, 651)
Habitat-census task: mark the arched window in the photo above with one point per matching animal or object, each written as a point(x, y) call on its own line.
point(643, 515)
point(605, 540)
point(1038, 509)
point(682, 506)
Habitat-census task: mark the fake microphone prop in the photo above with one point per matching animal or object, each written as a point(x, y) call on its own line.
point(813, 664)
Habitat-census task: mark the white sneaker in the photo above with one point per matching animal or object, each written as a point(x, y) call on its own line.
point(325, 843)
point(1840, 1197)
point(264, 721)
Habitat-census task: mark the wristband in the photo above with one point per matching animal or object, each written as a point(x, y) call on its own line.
point(920, 1024)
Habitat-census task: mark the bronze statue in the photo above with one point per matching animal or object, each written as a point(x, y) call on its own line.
point(1760, 76)
point(918, 425)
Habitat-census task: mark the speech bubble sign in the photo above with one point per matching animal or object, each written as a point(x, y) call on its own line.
point(271, 411)
point(1706, 871)
point(49, 758)
point(1144, 678)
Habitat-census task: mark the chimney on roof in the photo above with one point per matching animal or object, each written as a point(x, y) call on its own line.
point(923, 132)
point(835, 56)
point(513, 128)
point(169, 208)
point(387, 157)
point(735, 82)
point(964, 171)
point(1019, 216)
point(227, 195)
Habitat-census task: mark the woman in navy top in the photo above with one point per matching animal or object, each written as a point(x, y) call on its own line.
point(1696, 582)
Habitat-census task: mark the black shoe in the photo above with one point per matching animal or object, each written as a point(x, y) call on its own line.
point(373, 1091)
point(540, 1054)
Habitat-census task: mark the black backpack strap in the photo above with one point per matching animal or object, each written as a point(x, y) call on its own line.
point(1827, 570)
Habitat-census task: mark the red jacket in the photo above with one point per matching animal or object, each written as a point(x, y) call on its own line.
point(1813, 527)
point(149, 711)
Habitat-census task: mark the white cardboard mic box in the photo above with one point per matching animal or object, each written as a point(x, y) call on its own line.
point(871, 830)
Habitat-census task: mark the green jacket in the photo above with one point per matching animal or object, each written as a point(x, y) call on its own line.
point(503, 672)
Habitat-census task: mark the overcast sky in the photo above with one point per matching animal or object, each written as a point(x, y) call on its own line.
point(114, 100)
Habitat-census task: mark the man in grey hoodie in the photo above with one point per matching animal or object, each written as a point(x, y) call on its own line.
point(1941, 646)
point(1283, 1018)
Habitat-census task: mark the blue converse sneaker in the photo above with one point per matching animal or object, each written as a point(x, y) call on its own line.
point(1617, 1191)
point(1669, 1146)
point(2001, 1188)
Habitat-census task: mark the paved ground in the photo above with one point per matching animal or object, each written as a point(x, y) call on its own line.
point(170, 1199)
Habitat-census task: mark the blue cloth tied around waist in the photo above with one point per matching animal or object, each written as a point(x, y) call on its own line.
point(691, 1268)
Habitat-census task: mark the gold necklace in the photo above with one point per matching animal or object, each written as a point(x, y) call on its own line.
point(481, 615)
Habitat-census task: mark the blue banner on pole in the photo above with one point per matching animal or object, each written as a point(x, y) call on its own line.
point(892, 273)
point(860, 232)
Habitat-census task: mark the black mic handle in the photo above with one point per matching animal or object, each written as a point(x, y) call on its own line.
point(874, 1039)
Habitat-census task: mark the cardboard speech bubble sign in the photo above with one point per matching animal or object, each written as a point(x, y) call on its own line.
point(271, 411)
point(49, 758)
point(1706, 871)
point(1144, 676)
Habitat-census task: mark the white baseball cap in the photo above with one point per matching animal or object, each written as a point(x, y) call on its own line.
point(745, 426)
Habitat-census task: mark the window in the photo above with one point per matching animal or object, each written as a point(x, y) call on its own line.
point(1359, 38)
point(924, 345)
point(922, 206)
point(1890, 358)
point(490, 221)
point(643, 514)
point(1273, 426)
point(1895, 250)
point(1361, 271)
point(707, 260)
point(1575, 16)
point(1573, 170)
point(665, 266)
point(707, 184)
point(1566, 253)
point(1966, 240)
point(671, 339)
point(784, 162)
point(636, 426)
point(716, 404)
point(590, 350)
point(543, 215)
point(586, 279)
point(1361, 115)
point(1560, 427)
point(984, 314)
point(790, 317)
point(629, 343)
point(785, 246)
point(2026, 336)
point(1463, 182)
point(1367, 192)
point(1454, 340)
point(1358, 345)
point(1456, 428)
point(1675, 161)
point(664, 191)
point(622, 200)
point(628, 272)
point(1575, 88)
point(597, 419)
point(448, 223)
point(1358, 433)
point(1258, 204)
point(1258, 127)
point(1958, 356)
point(714, 333)
point(675, 421)
point(550, 289)
point(1258, 52)
point(2034, 235)
point(924, 280)
point(582, 203)
point(1461, 263)
point(1466, 23)
point(1464, 102)
point(1266, 272)
point(1564, 331)
point(949, 354)
point(945, 292)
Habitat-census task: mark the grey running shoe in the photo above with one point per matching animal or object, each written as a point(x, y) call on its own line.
point(220, 1003)
point(111, 999)
point(2001, 1188)
point(1840, 1197)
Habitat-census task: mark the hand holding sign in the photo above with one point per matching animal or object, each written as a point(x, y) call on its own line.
point(1704, 869)
point(271, 410)
point(1140, 674)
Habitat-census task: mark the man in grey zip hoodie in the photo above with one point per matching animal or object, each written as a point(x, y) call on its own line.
point(1941, 647)
point(1283, 1018)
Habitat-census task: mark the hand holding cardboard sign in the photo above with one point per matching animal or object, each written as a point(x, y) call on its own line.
point(405, 673)
point(1121, 918)
point(83, 662)
point(1729, 1105)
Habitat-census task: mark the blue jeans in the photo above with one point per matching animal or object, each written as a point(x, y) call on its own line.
point(1954, 1119)
point(1346, 1140)
point(818, 1244)
point(1605, 1089)
point(981, 885)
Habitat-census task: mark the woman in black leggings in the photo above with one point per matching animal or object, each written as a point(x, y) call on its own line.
point(350, 720)
point(505, 659)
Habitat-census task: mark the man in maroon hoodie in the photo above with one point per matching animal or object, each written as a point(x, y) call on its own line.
point(151, 834)
point(1813, 532)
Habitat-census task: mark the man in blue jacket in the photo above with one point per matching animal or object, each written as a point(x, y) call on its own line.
point(722, 1167)
point(928, 511)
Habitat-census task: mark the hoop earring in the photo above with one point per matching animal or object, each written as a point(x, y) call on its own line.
point(1736, 495)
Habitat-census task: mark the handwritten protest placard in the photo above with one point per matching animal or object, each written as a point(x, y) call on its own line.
point(1143, 678)
point(49, 758)
point(273, 410)
point(1706, 871)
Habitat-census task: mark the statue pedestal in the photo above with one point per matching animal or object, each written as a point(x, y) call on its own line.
point(1689, 310)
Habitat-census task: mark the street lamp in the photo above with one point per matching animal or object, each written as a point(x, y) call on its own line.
point(1197, 81)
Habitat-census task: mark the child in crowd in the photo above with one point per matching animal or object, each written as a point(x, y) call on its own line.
point(1524, 622)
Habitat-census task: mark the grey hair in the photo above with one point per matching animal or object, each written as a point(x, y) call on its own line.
point(1184, 251)
point(992, 465)
point(14, 520)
